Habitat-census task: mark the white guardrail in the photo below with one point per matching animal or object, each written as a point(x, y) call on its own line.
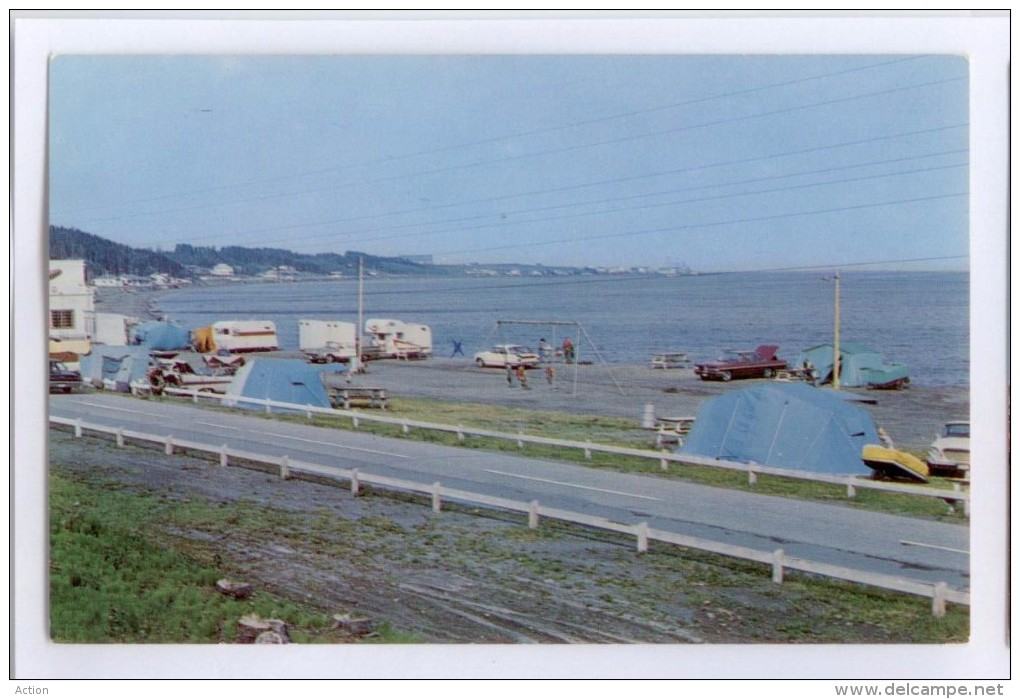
point(940, 593)
point(851, 483)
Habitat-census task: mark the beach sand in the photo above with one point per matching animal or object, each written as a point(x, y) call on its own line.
point(912, 416)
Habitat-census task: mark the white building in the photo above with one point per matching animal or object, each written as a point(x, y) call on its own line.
point(222, 270)
point(71, 308)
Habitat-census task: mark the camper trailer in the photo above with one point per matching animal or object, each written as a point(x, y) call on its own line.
point(244, 336)
point(327, 341)
point(389, 338)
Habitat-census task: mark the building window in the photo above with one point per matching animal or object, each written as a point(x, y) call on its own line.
point(61, 319)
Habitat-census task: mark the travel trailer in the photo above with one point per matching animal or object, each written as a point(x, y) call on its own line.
point(388, 338)
point(242, 336)
point(327, 341)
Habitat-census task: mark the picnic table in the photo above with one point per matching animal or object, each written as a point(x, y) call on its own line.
point(346, 396)
point(672, 430)
point(670, 360)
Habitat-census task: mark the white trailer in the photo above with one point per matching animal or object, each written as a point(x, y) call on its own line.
point(328, 340)
point(245, 335)
point(112, 328)
point(388, 338)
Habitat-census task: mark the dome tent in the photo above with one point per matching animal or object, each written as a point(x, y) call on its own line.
point(282, 380)
point(784, 425)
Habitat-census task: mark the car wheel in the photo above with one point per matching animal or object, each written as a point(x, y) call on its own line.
point(725, 376)
point(767, 373)
point(480, 363)
point(330, 359)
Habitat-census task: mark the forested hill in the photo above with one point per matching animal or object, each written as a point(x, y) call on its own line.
point(106, 257)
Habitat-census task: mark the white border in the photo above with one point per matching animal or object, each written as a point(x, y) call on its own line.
point(984, 39)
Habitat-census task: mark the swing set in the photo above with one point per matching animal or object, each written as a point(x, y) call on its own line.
point(559, 331)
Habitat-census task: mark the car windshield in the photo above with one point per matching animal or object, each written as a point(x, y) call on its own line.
point(958, 430)
point(59, 366)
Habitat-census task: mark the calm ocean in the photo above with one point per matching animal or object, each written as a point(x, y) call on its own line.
point(918, 318)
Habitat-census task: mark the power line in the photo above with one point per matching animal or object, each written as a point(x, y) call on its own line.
point(564, 149)
point(756, 219)
point(533, 132)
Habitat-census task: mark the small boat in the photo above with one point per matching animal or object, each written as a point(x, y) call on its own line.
point(893, 463)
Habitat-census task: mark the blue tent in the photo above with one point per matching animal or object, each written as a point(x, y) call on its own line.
point(858, 366)
point(784, 425)
point(115, 367)
point(160, 335)
point(283, 380)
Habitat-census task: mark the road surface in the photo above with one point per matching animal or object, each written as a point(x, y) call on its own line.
point(912, 548)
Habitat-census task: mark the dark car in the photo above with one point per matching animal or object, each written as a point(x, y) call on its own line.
point(63, 379)
point(760, 363)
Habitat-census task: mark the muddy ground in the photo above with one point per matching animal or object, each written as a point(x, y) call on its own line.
point(465, 575)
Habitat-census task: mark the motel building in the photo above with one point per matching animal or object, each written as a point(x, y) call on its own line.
point(71, 310)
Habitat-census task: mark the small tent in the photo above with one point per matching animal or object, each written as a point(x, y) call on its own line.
point(161, 336)
point(115, 367)
point(282, 380)
point(858, 366)
point(784, 425)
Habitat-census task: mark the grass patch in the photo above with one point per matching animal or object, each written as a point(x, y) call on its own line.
point(113, 581)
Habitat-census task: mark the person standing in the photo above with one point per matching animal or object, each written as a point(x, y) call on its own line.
point(509, 376)
point(522, 376)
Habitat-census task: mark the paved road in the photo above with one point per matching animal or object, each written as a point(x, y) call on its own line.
point(821, 532)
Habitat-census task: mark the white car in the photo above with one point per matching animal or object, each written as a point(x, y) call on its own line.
point(950, 452)
point(508, 355)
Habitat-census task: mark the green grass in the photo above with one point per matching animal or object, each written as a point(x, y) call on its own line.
point(111, 581)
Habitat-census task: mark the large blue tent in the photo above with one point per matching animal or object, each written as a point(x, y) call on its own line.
point(161, 335)
point(282, 380)
point(115, 367)
point(784, 425)
point(858, 365)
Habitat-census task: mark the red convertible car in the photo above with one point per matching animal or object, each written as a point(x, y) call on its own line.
point(761, 363)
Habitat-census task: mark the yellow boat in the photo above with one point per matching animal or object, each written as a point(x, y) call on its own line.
point(894, 463)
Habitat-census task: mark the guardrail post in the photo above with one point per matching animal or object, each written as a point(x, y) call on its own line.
point(663, 463)
point(520, 440)
point(354, 482)
point(308, 411)
point(77, 427)
point(851, 491)
point(406, 428)
point(777, 566)
point(354, 421)
point(938, 600)
point(533, 515)
point(966, 502)
point(752, 477)
point(223, 456)
point(284, 467)
point(437, 503)
point(587, 451)
point(460, 433)
point(194, 396)
point(269, 408)
point(642, 537)
point(120, 437)
point(169, 448)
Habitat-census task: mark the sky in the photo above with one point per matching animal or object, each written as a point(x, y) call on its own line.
point(715, 162)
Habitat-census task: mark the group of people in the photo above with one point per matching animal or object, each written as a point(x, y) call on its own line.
point(545, 350)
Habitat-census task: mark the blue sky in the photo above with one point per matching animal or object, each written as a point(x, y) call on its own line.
point(722, 162)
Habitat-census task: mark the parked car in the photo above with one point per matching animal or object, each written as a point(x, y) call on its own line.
point(63, 379)
point(508, 355)
point(949, 454)
point(180, 374)
point(760, 363)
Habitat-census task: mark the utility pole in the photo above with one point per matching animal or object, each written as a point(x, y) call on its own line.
point(356, 367)
point(835, 347)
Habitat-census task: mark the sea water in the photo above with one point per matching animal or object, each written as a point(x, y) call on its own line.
point(919, 319)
